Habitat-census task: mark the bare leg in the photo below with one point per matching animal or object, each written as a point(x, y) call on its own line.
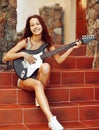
point(44, 74)
point(31, 84)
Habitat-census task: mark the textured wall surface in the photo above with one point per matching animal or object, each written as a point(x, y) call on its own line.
point(8, 34)
point(93, 28)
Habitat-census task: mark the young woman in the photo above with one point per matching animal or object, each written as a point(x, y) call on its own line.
point(35, 35)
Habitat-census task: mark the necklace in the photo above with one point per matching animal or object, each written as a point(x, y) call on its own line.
point(35, 43)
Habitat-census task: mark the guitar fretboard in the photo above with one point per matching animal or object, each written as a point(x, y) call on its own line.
point(51, 53)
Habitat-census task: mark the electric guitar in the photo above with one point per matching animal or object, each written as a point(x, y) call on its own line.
point(25, 70)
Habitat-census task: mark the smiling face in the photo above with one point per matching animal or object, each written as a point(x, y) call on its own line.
point(35, 26)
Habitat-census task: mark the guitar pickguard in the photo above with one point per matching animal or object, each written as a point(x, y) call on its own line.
point(31, 68)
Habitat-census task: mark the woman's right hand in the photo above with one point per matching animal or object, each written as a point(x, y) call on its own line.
point(29, 58)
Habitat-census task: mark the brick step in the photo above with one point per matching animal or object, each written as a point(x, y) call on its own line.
point(58, 76)
point(79, 76)
point(87, 125)
point(66, 112)
point(72, 93)
point(54, 93)
point(72, 62)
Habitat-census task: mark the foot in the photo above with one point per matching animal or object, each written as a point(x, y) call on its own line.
point(36, 103)
point(54, 124)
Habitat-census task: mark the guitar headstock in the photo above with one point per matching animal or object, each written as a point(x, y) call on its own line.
point(87, 38)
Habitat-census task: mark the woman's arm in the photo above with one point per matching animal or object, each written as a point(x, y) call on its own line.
point(60, 58)
point(13, 53)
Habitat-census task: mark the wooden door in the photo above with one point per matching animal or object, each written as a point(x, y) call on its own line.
point(80, 18)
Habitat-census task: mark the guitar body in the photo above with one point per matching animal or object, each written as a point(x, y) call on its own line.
point(25, 70)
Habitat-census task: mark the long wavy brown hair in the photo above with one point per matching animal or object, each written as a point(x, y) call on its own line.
point(45, 34)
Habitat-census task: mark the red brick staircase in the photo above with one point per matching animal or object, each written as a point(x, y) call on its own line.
point(73, 94)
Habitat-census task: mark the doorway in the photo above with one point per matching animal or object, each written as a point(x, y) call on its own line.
point(81, 28)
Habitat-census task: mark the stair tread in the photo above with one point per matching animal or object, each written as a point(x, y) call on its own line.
point(75, 70)
point(83, 69)
point(32, 106)
point(52, 86)
point(13, 127)
point(62, 104)
point(84, 125)
point(67, 125)
point(52, 104)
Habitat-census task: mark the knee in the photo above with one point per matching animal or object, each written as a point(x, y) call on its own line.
point(45, 68)
point(39, 86)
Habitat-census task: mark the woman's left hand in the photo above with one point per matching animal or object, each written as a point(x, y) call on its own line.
point(78, 44)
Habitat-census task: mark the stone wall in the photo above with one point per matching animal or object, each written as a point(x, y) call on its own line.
point(93, 28)
point(53, 17)
point(8, 34)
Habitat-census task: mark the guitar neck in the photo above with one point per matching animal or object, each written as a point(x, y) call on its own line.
point(51, 53)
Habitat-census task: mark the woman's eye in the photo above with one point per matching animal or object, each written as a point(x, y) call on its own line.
point(38, 24)
point(31, 25)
